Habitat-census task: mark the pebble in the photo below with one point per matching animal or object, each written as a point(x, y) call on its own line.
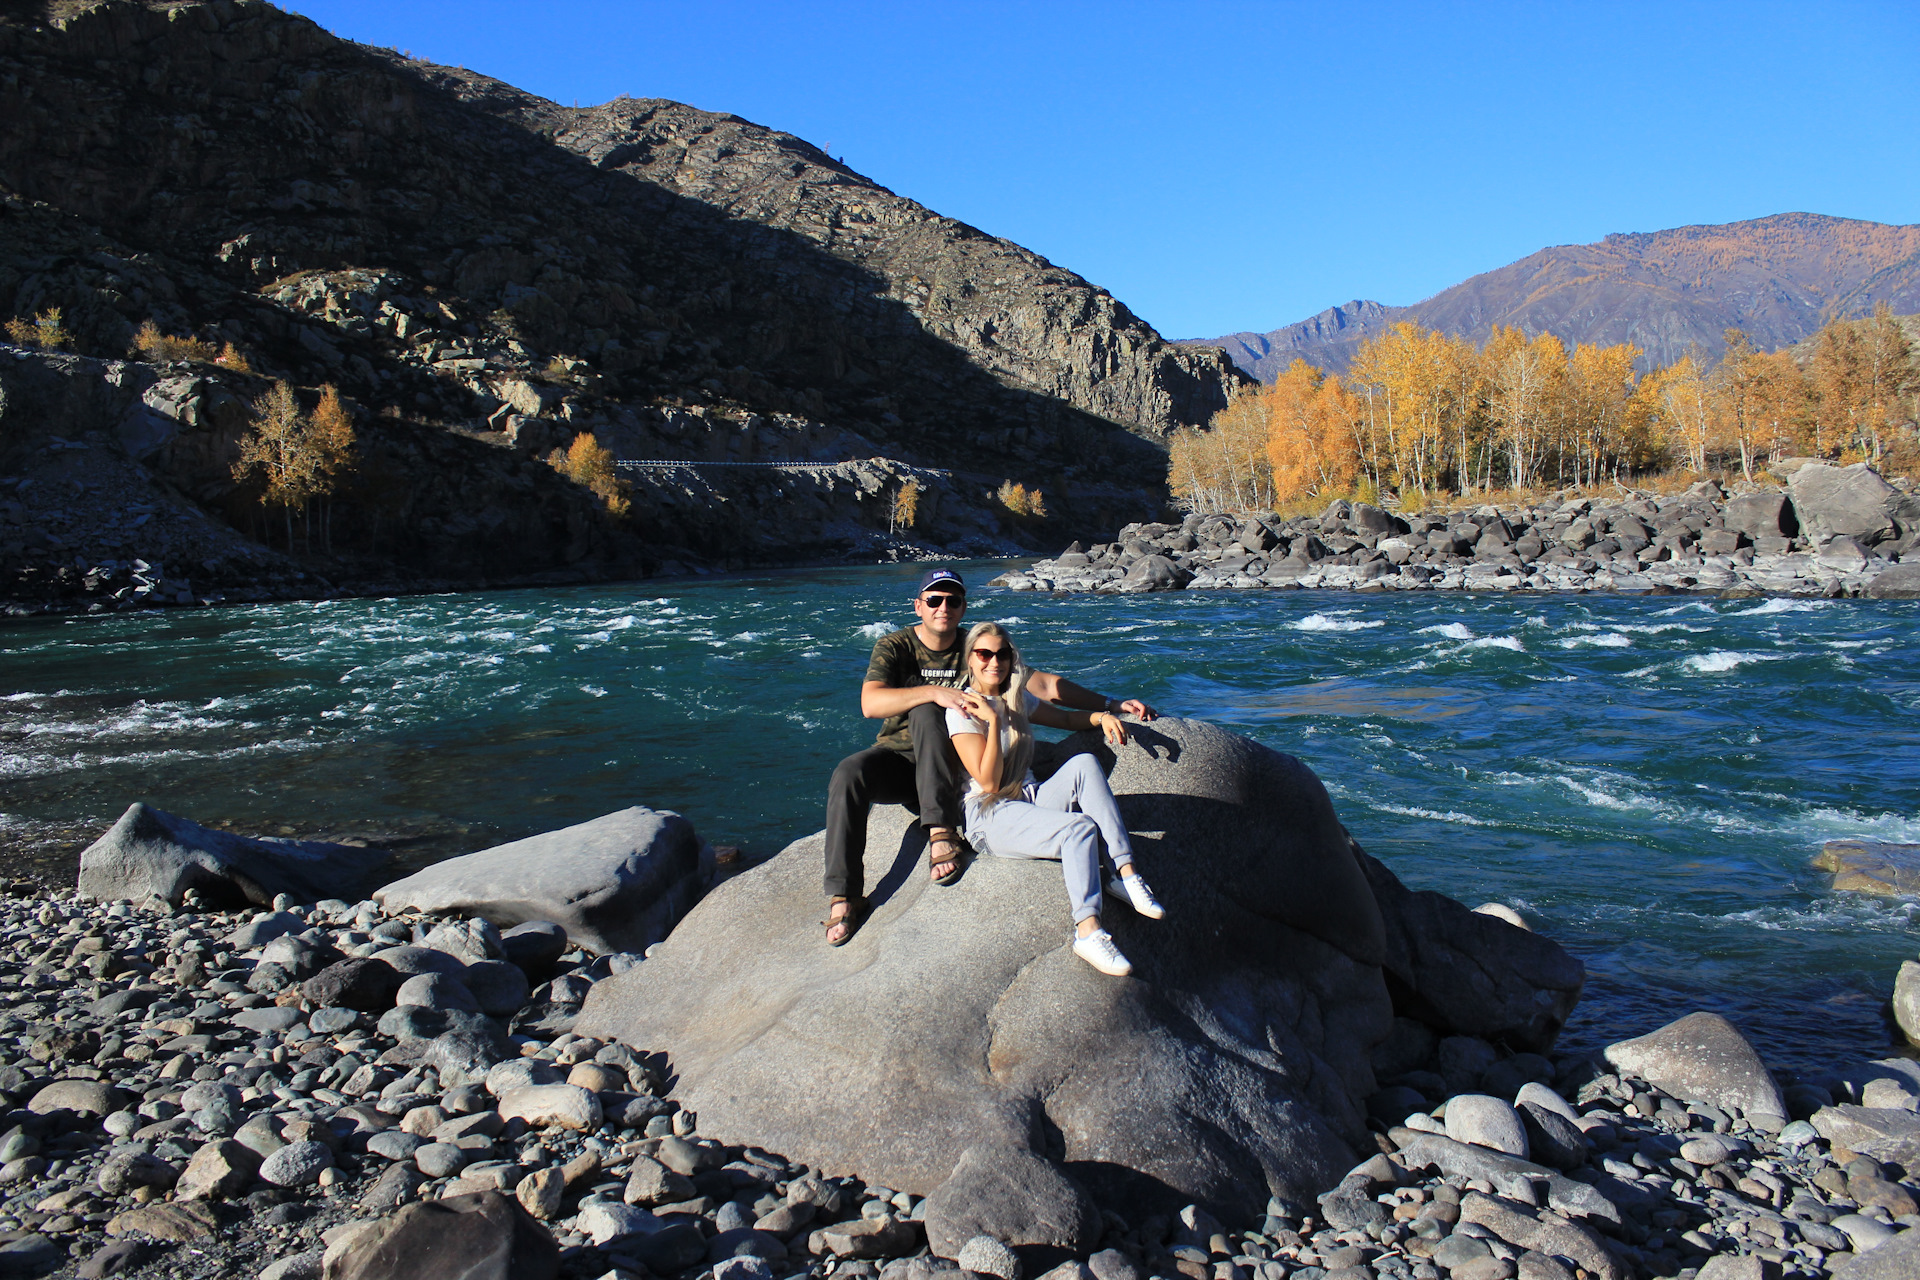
point(298, 1164)
point(440, 1159)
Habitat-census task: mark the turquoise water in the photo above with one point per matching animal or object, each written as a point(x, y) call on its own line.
point(1645, 778)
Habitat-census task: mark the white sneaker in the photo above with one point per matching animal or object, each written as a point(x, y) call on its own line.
point(1097, 949)
point(1134, 891)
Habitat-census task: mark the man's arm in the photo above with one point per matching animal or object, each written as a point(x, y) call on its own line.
point(878, 700)
point(1058, 689)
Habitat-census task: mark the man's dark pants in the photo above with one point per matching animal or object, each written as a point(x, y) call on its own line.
point(925, 779)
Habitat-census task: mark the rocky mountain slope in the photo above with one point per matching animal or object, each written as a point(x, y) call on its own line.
point(1778, 278)
point(485, 274)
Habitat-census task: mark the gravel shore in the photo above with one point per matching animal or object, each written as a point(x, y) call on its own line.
point(192, 1093)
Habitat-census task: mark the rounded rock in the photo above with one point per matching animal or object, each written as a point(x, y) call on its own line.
point(89, 1097)
point(566, 1106)
point(1710, 1149)
point(985, 1256)
point(417, 960)
point(440, 1159)
point(436, 991)
point(1486, 1121)
point(298, 1164)
point(332, 1021)
point(597, 1077)
point(499, 988)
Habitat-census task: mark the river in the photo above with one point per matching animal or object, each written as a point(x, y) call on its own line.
point(1645, 778)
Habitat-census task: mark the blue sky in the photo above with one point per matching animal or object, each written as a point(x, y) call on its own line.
point(1225, 167)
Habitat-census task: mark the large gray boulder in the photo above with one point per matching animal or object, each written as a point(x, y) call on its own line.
point(1232, 1065)
point(1901, 582)
point(1701, 1058)
point(152, 854)
point(1762, 515)
point(1851, 502)
point(617, 883)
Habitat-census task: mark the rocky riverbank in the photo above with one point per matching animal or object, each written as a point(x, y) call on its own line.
point(200, 1093)
point(1830, 531)
point(423, 1080)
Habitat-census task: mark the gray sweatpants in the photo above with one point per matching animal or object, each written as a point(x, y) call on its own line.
point(1047, 827)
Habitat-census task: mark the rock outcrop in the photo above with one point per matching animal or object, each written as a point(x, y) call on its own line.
point(485, 275)
point(1231, 1066)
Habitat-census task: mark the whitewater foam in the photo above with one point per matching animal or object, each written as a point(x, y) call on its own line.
point(1322, 622)
point(1725, 660)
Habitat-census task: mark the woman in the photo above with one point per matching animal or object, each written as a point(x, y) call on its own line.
point(1010, 815)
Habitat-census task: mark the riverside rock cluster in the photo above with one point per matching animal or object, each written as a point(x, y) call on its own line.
point(1832, 531)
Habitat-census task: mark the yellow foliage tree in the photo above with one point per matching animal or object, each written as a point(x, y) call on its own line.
point(150, 342)
point(589, 464)
point(47, 330)
point(906, 507)
point(1527, 385)
point(293, 456)
point(1020, 500)
point(1310, 435)
point(1602, 428)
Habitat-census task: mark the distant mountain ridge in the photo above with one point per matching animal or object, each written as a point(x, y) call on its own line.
point(1778, 278)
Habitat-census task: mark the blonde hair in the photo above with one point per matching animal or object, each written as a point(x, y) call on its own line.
point(1018, 758)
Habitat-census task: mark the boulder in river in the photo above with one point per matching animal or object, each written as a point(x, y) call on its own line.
point(617, 883)
point(1901, 582)
point(1232, 1065)
point(1852, 502)
point(1871, 866)
point(1701, 1058)
point(150, 854)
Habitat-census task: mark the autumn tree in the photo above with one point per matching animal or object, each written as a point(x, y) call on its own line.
point(1225, 467)
point(1526, 389)
point(1311, 442)
point(1022, 501)
point(1602, 431)
point(906, 507)
point(47, 330)
point(590, 464)
point(293, 456)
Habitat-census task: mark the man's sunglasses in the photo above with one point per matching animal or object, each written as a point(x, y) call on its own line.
point(941, 601)
point(993, 655)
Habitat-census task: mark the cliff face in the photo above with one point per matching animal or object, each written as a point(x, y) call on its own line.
point(1777, 278)
point(462, 257)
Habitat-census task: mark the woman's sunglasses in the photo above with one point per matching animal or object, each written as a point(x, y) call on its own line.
point(992, 655)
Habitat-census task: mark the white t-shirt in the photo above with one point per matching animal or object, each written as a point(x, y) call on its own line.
point(959, 722)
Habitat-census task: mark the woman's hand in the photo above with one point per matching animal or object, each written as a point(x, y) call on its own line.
point(985, 710)
point(1112, 726)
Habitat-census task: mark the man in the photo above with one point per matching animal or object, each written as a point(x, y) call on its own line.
point(912, 679)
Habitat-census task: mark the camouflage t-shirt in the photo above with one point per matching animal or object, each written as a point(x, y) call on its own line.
point(900, 661)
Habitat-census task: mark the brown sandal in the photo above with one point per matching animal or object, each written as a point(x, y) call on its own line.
point(945, 870)
point(856, 910)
